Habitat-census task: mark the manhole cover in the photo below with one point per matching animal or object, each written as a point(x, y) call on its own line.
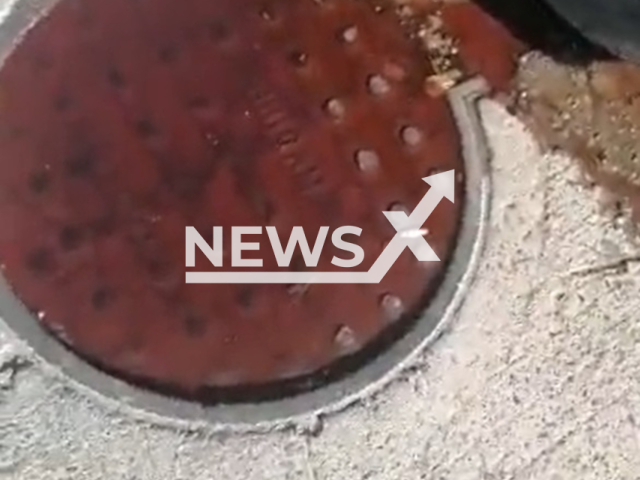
point(123, 122)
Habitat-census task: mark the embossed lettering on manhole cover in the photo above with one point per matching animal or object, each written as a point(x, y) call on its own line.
point(124, 122)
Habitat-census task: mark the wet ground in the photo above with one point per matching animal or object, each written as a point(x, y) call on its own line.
point(574, 95)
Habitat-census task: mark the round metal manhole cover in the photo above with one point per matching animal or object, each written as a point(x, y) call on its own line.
point(124, 122)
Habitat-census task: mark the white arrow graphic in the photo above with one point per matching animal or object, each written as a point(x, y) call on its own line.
point(409, 228)
point(410, 235)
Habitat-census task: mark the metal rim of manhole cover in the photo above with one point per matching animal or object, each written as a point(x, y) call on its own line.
point(124, 123)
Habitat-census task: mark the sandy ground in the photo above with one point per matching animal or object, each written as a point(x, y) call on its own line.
point(536, 379)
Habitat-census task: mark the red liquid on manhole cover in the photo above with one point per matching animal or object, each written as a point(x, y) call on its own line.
point(124, 122)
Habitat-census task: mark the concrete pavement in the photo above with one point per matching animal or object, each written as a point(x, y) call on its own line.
point(535, 379)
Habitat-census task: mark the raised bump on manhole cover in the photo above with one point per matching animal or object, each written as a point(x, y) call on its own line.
point(125, 121)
